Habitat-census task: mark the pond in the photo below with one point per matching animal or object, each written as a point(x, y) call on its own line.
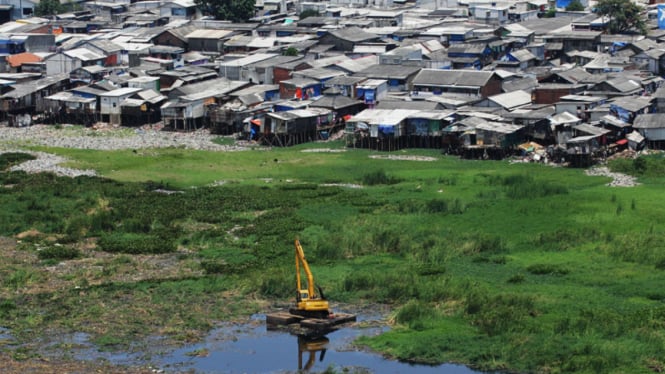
point(251, 348)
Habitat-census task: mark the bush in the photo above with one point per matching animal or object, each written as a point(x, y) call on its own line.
point(279, 284)
point(135, 244)
point(517, 278)
point(379, 177)
point(547, 269)
point(58, 252)
point(215, 267)
point(414, 312)
point(504, 313)
point(10, 159)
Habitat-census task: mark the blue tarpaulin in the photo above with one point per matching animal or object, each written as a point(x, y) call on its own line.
point(562, 3)
point(661, 16)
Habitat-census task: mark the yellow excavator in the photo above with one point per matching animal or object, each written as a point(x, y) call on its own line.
point(309, 304)
point(311, 310)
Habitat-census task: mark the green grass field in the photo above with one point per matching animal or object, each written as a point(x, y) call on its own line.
point(518, 267)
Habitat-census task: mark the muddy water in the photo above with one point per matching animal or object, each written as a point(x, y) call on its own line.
point(251, 348)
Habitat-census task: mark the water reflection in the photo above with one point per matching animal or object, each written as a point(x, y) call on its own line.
point(252, 348)
point(311, 345)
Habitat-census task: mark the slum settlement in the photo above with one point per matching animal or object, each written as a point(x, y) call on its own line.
point(479, 79)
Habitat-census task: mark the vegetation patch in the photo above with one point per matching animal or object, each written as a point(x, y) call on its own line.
point(523, 267)
point(547, 269)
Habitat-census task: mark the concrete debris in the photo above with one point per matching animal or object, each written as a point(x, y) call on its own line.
point(618, 179)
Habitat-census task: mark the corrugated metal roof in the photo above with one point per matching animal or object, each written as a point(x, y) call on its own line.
point(510, 100)
point(84, 54)
point(209, 34)
point(121, 92)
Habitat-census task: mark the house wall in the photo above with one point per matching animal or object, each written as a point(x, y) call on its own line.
point(166, 38)
point(230, 72)
point(493, 87)
point(40, 43)
point(111, 104)
point(653, 134)
point(280, 74)
point(22, 8)
point(549, 96)
point(60, 63)
point(206, 45)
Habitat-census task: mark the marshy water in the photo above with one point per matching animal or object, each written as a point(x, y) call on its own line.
point(255, 349)
point(251, 348)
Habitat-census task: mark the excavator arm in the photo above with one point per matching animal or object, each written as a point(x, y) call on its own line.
point(307, 301)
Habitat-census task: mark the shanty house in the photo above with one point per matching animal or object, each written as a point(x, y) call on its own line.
point(471, 55)
point(175, 37)
point(497, 134)
point(652, 128)
point(627, 108)
point(467, 82)
point(424, 129)
point(112, 51)
point(346, 84)
point(88, 74)
point(519, 59)
point(299, 88)
point(239, 69)
point(347, 38)
point(381, 129)
point(372, 91)
point(67, 107)
point(208, 40)
point(28, 96)
point(508, 101)
point(110, 101)
point(399, 77)
point(178, 9)
point(294, 126)
point(66, 61)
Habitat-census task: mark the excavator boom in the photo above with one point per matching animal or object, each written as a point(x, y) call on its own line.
point(308, 303)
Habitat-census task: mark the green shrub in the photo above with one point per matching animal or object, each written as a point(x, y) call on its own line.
point(503, 313)
point(279, 284)
point(547, 269)
point(7, 160)
point(58, 252)
point(517, 278)
point(379, 177)
point(414, 312)
point(436, 206)
point(216, 267)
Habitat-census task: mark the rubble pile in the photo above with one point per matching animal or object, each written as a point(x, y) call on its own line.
point(618, 179)
point(12, 138)
point(87, 138)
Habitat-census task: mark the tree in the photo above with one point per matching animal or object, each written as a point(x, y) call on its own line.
point(232, 10)
point(291, 51)
point(48, 8)
point(624, 15)
point(575, 6)
point(308, 13)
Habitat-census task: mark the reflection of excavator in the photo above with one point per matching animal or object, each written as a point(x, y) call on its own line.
point(311, 345)
point(308, 303)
